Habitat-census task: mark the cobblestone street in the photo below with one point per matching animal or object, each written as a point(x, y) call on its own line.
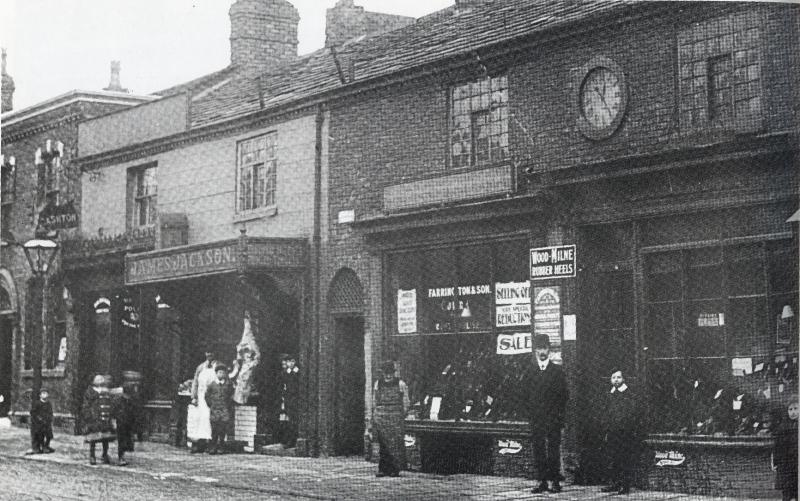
point(159, 471)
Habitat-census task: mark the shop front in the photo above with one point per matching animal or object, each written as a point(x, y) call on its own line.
point(461, 306)
point(181, 302)
point(688, 281)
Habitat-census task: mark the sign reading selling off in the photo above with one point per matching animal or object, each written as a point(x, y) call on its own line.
point(553, 262)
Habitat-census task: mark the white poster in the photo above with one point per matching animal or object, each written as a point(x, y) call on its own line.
point(512, 304)
point(406, 311)
point(513, 344)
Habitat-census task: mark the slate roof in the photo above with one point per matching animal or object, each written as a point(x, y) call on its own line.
point(435, 37)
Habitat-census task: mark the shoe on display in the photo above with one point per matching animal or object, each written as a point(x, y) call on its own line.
point(556, 487)
point(624, 490)
point(610, 488)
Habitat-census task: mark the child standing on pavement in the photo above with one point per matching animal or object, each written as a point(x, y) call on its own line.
point(41, 423)
point(218, 397)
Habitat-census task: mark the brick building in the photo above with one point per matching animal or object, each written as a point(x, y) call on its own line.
point(652, 149)
point(41, 193)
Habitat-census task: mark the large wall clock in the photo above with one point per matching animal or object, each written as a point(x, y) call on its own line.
point(602, 98)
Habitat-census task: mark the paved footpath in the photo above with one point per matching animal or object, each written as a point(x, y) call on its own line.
point(289, 478)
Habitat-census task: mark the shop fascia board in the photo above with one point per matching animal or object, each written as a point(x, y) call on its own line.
point(530, 203)
point(731, 149)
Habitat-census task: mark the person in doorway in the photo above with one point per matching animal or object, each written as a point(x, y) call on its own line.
point(390, 405)
point(622, 425)
point(785, 453)
point(41, 423)
point(289, 386)
point(97, 420)
point(218, 398)
point(547, 402)
point(199, 421)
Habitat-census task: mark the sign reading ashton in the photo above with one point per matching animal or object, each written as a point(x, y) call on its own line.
point(144, 268)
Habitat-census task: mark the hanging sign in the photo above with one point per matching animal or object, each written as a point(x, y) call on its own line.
point(547, 313)
point(512, 304)
point(59, 217)
point(406, 311)
point(129, 316)
point(513, 344)
point(553, 262)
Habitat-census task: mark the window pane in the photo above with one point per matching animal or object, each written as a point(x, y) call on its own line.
point(661, 327)
point(705, 330)
point(747, 326)
point(745, 266)
point(705, 273)
point(437, 297)
point(663, 277)
point(475, 290)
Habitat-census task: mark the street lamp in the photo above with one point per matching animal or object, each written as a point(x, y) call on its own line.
point(40, 254)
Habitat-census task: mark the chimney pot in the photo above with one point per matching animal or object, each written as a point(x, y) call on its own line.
point(7, 85)
point(114, 84)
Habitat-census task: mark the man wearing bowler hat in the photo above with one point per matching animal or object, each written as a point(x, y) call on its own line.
point(547, 401)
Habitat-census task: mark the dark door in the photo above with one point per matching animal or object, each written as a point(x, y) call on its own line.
point(349, 386)
point(606, 338)
point(6, 334)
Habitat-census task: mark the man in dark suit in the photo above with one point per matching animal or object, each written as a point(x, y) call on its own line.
point(547, 401)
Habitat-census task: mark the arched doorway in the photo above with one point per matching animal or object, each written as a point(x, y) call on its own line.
point(8, 310)
point(346, 307)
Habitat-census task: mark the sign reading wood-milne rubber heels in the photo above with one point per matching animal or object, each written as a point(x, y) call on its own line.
point(553, 262)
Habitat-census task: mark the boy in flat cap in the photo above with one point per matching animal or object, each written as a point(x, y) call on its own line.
point(41, 423)
point(547, 401)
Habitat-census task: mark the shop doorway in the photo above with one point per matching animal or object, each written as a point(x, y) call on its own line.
point(606, 339)
point(6, 336)
point(349, 386)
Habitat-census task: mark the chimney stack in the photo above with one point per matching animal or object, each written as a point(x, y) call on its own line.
point(7, 85)
point(263, 34)
point(114, 84)
point(346, 21)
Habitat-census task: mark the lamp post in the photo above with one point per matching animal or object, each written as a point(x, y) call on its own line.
point(40, 254)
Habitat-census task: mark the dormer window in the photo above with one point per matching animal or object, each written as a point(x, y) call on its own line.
point(479, 122)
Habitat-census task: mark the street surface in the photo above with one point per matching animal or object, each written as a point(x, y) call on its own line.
point(159, 471)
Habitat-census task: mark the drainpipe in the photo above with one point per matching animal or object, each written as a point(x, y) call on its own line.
point(316, 245)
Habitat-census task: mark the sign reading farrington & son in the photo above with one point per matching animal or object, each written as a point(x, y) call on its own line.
point(553, 262)
point(146, 268)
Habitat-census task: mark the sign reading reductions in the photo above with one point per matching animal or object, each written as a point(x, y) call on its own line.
point(553, 262)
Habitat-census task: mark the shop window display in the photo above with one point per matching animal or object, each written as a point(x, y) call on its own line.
point(463, 299)
point(722, 344)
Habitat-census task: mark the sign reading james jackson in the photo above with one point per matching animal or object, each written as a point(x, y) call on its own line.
point(147, 267)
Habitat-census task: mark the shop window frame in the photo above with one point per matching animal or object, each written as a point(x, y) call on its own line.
point(683, 360)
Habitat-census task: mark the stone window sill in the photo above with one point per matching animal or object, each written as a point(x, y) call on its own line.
point(255, 214)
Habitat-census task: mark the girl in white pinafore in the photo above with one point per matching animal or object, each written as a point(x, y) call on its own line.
point(199, 415)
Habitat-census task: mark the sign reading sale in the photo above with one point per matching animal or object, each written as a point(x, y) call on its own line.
point(553, 262)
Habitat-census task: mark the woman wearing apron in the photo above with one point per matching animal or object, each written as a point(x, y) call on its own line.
point(391, 404)
point(199, 418)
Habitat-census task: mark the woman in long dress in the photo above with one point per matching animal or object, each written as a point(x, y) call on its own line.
point(199, 418)
point(391, 404)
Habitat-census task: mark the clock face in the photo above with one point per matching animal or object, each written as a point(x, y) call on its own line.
point(601, 97)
